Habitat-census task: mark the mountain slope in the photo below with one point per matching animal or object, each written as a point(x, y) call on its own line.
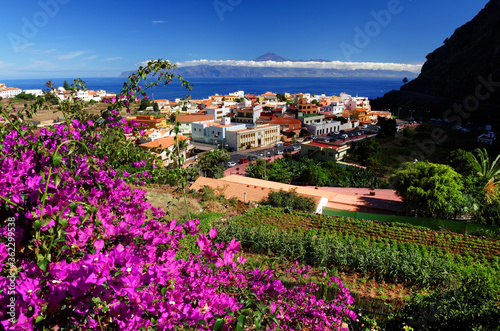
point(467, 59)
point(269, 56)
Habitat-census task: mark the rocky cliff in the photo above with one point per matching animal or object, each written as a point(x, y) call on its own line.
point(468, 59)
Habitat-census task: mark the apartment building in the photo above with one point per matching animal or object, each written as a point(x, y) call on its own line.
point(252, 137)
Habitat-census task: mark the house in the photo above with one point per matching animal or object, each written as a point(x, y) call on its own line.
point(154, 134)
point(323, 151)
point(333, 108)
point(269, 97)
point(307, 108)
point(165, 146)
point(252, 137)
point(185, 121)
point(287, 124)
point(248, 115)
point(361, 114)
point(488, 137)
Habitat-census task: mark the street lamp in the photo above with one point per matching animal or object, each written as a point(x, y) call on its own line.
point(412, 111)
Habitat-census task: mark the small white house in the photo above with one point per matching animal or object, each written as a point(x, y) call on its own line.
point(488, 137)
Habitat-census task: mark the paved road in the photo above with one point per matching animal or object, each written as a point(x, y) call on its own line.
point(267, 152)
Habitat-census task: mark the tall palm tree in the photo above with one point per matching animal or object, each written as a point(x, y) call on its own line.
point(490, 172)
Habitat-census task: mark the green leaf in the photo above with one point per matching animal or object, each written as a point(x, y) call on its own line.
point(73, 206)
point(241, 323)
point(57, 180)
point(57, 159)
point(43, 264)
point(39, 319)
point(258, 320)
point(37, 225)
point(63, 222)
point(218, 325)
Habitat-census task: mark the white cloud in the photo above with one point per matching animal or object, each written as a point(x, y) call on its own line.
point(92, 57)
point(112, 58)
point(72, 55)
point(23, 46)
point(4, 65)
point(45, 65)
point(158, 22)
point(308, 64)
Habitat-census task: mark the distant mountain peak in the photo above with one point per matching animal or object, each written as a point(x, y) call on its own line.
point(269, 56)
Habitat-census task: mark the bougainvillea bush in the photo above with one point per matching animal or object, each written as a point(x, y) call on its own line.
point(77, 251)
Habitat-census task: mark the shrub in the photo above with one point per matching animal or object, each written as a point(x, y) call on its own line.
point(289, 200)
point(468, 306)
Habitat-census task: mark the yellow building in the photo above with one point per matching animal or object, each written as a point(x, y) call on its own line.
point(360, 114)
point(149, 120)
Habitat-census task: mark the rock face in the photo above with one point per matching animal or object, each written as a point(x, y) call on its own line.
point(467, 59)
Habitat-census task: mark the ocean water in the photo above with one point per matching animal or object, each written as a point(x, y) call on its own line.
point(204, 87)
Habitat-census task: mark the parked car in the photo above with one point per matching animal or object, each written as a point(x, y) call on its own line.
point(280, 144)
point(286, 143)
point(344, 136)
point(296, 148)
point(288, 150)
point(244, 160)
point(230, 164)
point(300, 140)
point(278, 151)
point(252, 157)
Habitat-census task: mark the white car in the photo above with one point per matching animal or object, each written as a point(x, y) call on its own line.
point(296, 147)
point(230, 164)
point(278, 151)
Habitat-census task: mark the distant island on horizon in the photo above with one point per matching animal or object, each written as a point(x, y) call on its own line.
point(274, 65)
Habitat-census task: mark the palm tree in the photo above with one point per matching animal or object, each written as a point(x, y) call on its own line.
point(180, 146)
point(490, 173)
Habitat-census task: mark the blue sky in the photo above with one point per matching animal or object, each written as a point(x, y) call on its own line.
point(70, 39)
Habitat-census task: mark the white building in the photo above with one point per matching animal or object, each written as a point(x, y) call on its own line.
point(35, 92)
point(239, 94)
point(488, 137)
point(9, 92)
point(325, 127)
point(217, 113)
point(213, 132)
point(334, 108)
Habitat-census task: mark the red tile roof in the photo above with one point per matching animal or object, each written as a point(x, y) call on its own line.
point(163, 142)
point(194, 118)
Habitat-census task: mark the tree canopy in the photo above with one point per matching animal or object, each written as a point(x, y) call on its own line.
point(387, 126)
point(429, 189)
point(211, 163)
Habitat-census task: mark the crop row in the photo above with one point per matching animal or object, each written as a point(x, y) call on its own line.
point(386, 233)
point(394, 263)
